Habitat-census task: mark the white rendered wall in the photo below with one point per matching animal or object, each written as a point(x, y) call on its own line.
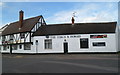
point(119, 38)
point(74, 44)
point(57, 45)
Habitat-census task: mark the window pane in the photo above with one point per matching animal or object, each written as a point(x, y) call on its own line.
point(99, 44)
point(5, 47)
point(20, 46)
point(27, 46)
point(22, 35)
point(84, 43)
point(14, 47)
point(48, 44)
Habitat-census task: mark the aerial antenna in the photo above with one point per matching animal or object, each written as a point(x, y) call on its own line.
point(74, 14)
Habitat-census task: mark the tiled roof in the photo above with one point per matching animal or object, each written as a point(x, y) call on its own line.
point(77, 28)
point(28, 24)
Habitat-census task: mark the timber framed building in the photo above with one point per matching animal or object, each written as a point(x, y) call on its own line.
point(33, 35)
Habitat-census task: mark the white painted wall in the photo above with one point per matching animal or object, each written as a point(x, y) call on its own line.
point(119, 38)
point(74, 44)
point(57, 45)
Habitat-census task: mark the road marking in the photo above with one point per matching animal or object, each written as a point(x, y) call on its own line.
point(85, 65)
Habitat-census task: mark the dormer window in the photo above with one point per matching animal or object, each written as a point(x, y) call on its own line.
point(22, 35)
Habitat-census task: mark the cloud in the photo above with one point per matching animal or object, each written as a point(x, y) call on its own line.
point(87, 13)
point(1, 4)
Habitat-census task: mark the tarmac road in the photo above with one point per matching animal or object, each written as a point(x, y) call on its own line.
point(60, 63)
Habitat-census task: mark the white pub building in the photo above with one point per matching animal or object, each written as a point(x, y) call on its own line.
point(33, 35)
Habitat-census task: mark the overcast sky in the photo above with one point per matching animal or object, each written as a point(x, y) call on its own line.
point(61, 12)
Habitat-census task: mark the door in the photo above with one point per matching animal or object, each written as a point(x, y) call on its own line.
point(10, 49)
point(36, 46)
point(65, 47)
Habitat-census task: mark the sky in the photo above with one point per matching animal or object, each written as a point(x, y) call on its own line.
point(60, 12)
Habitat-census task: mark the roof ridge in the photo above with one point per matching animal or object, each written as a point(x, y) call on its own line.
point(26, 19)
point(80, 23)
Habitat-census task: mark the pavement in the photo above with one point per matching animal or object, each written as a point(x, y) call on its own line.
point(60, 63)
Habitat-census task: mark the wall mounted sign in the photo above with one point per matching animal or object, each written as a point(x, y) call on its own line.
point(65, 36)
point(98, 36)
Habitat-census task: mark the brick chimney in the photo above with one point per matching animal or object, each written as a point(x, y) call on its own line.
point(73, 20)
point(21, 15)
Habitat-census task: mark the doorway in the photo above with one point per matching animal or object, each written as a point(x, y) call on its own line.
point(10, 49)
point(65, 47)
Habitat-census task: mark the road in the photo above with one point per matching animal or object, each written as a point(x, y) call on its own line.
point(60, 63)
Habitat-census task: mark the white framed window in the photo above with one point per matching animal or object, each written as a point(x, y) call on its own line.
point(20, 46)
point(27, 46)
point(48, 43)
point(22, 35)
point(98, 44)
point(3, 38)
point(0, 48)
point(14, 47)
point(5, 47)
point(11, 37)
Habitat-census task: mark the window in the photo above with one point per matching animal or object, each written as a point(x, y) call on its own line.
point(99, 44)
point(0, 47)
point(22, 35)
point(48, 44)
point(36, 42)
point(3, 39)
point(84, 43)
point(11, 37)
point(27, 46)
point(20, 46)
point(14, 47)
point(5, 47)
point(8, 47)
